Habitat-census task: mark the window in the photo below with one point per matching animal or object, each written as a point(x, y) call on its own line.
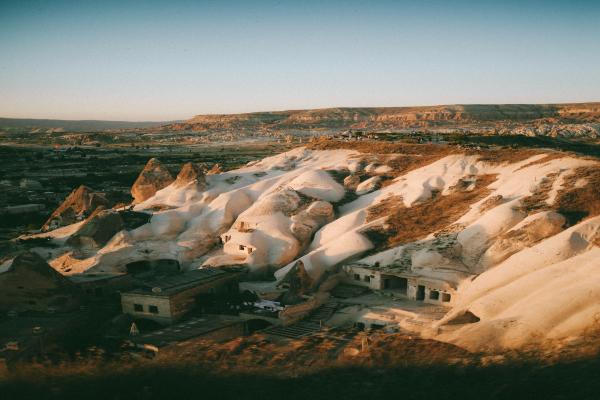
point(356, 277)
point(153, 309)
point(242, 247)
point(446, 297)
point(138, 308)
point(434, 295)
point(250, 250)
point(367, 278)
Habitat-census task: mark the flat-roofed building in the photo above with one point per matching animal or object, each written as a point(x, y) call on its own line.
point(168, 299)
point(437, 287)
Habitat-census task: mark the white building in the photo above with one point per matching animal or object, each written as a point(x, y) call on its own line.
point(438, 288)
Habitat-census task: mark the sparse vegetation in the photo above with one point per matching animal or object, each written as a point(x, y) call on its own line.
point(537, 201)
point(577, 203)
point(408, 224)
point(305, 368)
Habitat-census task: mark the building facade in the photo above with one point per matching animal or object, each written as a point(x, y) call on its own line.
point(169, 299)
point(411, 285)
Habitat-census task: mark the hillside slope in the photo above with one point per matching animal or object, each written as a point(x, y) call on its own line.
point(512, 236)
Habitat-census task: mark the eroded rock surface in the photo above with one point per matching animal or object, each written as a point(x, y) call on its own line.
point(153, 177)
point(82, 202)
point(191, 174)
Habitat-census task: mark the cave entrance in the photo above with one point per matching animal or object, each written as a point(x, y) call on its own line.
point(395, 283)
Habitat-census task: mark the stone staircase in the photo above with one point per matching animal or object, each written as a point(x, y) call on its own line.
point(323, 313)
point(308, 326)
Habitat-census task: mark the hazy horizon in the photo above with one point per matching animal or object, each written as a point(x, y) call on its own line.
point(160, 61)
point(288, 110)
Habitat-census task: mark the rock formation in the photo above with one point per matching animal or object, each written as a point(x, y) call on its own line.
point(532, 230)
point(216, 169)
point(191, 174)
point(508, 238)
point(98, 229)
point(82, 202)
point(368, 186)
point(153, 177)
point(351, 182)
point(562, 120)
point(306, 222)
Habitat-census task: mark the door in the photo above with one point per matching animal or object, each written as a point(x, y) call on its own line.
point(421, 292)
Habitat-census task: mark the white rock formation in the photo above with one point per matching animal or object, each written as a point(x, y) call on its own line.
point(529, 279)
point(368, 185)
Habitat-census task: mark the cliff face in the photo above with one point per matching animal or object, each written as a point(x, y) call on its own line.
point(397, 117)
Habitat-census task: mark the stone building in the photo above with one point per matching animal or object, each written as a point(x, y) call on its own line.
point(438, 287)
point(170, 298)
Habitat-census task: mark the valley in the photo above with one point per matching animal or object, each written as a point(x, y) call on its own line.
point(335, 253)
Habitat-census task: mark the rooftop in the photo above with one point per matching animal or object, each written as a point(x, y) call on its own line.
point(166, 286)
point(95, 276)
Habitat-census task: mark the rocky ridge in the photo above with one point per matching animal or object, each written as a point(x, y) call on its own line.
point(555, 120)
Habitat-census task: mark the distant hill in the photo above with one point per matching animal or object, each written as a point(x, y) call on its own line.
point(77, 126)
point(396, 117)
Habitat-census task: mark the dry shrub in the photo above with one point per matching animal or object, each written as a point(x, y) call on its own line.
point(543, 160)
point(408, 224)
point(380, 147)
point(583, 202)
point(411, 156)
point(407, 156)
point(389, 350)
point(275, 356)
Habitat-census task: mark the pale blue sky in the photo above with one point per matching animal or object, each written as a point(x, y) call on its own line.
point(151, 60)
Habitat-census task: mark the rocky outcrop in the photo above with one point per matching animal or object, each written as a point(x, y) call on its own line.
point(98, 229)
point(532, 230)
point(153, 177)
point(216, 169)
point(191, 175)
point(369, 185)
point(306, 222)
point(81, 203)
point(351, 182)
